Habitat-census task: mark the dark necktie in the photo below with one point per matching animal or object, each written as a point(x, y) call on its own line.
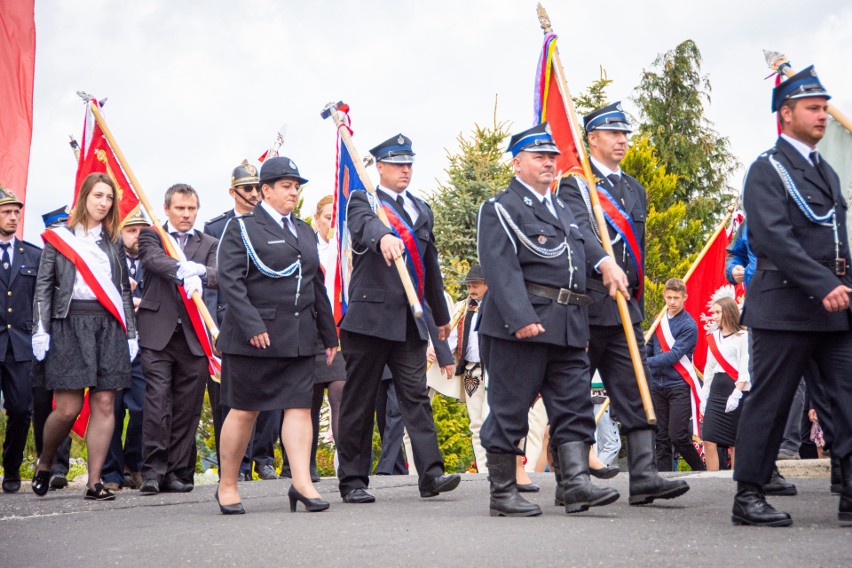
point(180, 238)
point(819, 164)
point(617, 189)
point(132, 266)
point(401, 201)
point(5, 260)
point(288, 222)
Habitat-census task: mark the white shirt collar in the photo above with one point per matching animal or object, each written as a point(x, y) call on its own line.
point(800, 147)
point(547, 198)
point(95, 232)
point(392, 194)
point(603, 169)
point(170, 229)
point(11, 242)
point(273, 213)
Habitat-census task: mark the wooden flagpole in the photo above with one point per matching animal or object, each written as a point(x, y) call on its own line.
point(626, 322)
point(779, 63)
point(143, 200)
point(411, 294)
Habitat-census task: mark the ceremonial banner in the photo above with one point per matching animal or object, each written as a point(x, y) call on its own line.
point(97, 156)
point(17, 71)
point(346, 182)
point(549, 107)
point(836, 148)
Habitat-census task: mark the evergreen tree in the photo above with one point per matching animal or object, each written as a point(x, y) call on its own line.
point(671, 98)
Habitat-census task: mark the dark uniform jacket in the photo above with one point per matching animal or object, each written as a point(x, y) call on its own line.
point(605, 309)
point(508, 264)
point(16, 301)
point(800, 253)
point(161, 304)
point(377, 301)
point(215, 227)
point(259, 303)
point(55, 284)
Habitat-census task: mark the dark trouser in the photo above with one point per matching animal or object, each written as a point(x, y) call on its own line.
point(133, 401)
point(42, 407)
point(366, 357)
point(793, 430)
point(517, 372)
point(391, 431)
point(18, 401)
point(674, 410)
point(610, 354)
point(174, 394)
point(779, 359)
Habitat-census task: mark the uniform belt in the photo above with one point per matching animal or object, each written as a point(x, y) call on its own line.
point(766, 264)
point(559, 295)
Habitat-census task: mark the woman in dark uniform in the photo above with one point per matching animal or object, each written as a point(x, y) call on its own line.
point(726, 379)
point(84, 330)
point(277, 305)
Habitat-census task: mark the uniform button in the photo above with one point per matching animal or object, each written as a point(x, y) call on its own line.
point(297, 314)
point(575, 286)
point(9, 293)
point(506, 325)
point(9, 326)
point(300, 256)
point(364, 297)
point(10, 310)
point(784, 282)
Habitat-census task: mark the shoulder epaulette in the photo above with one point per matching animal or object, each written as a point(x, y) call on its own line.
point(216, 219)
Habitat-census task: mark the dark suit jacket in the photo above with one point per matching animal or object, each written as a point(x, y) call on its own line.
point(161, 305)
point(507, 264)
point(605, 309)
point(790, 298)
point(16, 301)
point(377, 302)
point(259, 303)
point(215, 227)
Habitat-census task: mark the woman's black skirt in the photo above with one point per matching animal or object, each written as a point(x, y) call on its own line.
point(720, 427)
point(267, 383)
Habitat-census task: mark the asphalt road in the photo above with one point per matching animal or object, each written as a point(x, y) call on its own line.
point(401, 529)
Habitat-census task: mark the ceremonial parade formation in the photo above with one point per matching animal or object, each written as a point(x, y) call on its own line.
point(127, 323)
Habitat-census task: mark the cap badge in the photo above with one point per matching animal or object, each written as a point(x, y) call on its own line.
point(528, 201)
point(292, 165)
point(400, 140)
point(252, 171)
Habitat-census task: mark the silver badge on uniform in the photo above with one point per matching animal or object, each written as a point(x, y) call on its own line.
point(400, 140)
point(559, 203)
point(528, 201)
point(542, 239)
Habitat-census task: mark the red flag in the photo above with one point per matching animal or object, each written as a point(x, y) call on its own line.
point(97, 156)
point(17, 72)
point(550, 107)
point(706, 284)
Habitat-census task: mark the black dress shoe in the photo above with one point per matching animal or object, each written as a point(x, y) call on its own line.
point(440, 484)
point(58, 481)
point(11, 485)
point(778, 485)
point(528, 487)
point(266, 471)
point(359, 495)
point(176, 486)
point(311, 505)
point(149, 487)
point(751, 508)
point(606, 472)
point(99, 493)
point(233, 509)
point(41, 483)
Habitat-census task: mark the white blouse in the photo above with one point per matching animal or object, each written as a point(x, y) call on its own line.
point(734, 349)
point(89, 242)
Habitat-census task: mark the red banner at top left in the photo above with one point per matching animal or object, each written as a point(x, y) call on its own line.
point(17, 72)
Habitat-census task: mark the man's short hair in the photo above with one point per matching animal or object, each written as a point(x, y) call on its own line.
point(675, 285)
point(182, 188)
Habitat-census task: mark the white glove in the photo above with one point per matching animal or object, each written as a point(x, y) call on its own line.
point(734, 400)
point(41, 343)
point(189, 268)
point(192, 284)
point(133, 346)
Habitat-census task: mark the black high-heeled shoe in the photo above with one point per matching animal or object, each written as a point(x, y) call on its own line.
point(235, 509)
point(41, 483)
point(311, 505)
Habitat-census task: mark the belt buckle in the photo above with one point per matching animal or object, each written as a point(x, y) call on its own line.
point(840, 266)
point(563, 297)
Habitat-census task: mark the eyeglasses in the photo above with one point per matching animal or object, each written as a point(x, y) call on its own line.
point(250, 188)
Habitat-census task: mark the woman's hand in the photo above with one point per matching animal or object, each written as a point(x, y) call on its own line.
point(330, 352)
point(260, 341)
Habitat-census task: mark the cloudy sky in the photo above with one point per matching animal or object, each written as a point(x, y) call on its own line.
point(196, 86)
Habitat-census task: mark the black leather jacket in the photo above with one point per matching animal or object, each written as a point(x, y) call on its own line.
point(55, 283)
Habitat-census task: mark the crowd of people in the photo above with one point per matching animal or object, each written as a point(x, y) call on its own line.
point(108, 312)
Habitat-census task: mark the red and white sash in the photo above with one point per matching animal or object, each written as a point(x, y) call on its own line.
point(685, 369)
point(713, 345)
point(214, 364)
point(101, 284)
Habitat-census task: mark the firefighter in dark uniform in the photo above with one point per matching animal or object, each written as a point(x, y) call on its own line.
point(245, 191)
point(797, 303)
point(18, 269)
point(533, 327)
point(607, 129)
point(378, 328)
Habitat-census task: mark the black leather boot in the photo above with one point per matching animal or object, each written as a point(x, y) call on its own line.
point(778, 485)
point(751, 508)
point(646, 484)
point(578, 492)
point(558, 500)
point(844, 514)
point(836, 475)
point(505, 499)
